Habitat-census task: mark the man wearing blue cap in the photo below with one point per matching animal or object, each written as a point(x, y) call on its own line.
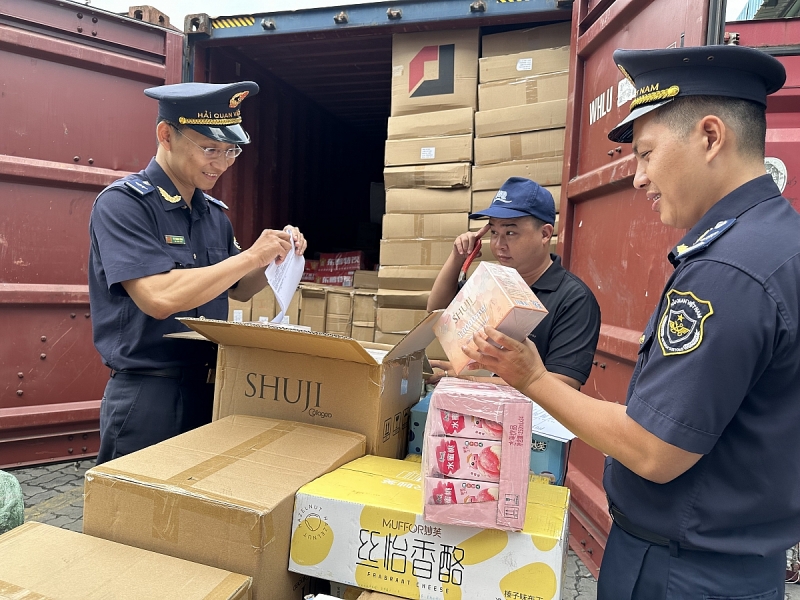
point(162, 248)
point(702, 480)
point(521, 219)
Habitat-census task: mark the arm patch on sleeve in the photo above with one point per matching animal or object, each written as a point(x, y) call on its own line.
point(681, 327)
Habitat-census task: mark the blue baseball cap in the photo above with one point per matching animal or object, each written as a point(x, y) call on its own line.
point(520, 197)
point(211, 109)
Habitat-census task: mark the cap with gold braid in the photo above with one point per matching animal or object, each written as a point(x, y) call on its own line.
point(660, 76)
point(212, 109)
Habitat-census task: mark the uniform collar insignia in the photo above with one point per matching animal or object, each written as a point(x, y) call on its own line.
point(169, 198)
point(704, 241)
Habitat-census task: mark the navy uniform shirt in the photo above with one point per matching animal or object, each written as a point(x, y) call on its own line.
point(136, 233)
point(567, 337)
point(718, 374)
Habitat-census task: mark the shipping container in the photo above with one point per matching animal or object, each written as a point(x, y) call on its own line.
point(319, 127)
point(72, 120)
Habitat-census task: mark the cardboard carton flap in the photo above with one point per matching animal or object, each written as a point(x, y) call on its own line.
point(418, 338)
point(270, 337)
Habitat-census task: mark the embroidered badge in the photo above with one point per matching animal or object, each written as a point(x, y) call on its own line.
point(681, 328)
point(236, 99)
point(175, 240)
point(166, 196)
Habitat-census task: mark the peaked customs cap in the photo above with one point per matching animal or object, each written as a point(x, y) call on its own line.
point(660, 76)
point(212, 109)
point(520, 197)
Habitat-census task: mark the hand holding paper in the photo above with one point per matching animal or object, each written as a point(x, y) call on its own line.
point(284, 276)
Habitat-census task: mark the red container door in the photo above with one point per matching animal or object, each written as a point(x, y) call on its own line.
point(72, 120)
point(611, 238)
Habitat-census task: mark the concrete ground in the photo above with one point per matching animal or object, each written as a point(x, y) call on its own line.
point(54, 495)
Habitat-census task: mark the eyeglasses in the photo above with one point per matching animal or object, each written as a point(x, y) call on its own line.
point(213, 153)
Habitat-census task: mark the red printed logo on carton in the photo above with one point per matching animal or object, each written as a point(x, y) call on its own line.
point(447, 457)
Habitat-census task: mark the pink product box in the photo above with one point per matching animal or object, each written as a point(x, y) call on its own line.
point(461, 491)
point(468, 426)
point(465, 458)
point(499, 404)
point(494, 295)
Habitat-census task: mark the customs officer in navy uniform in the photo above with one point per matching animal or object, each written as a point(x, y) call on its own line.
point(161, 248)
point(702, 479)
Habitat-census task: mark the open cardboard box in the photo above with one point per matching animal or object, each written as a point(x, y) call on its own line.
point(270, 371)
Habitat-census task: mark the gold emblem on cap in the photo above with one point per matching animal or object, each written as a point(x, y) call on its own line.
point(237, 98)
point(626, 74)
point(171, 199)
point(655, 96)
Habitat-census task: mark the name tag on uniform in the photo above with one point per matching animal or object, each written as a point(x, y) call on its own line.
point(175, 240)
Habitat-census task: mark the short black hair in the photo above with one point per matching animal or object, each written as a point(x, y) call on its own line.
point(747, 119)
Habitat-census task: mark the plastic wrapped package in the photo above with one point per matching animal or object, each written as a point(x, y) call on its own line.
point(476, 455)
point(12, 505)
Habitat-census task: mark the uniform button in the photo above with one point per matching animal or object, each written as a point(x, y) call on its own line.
point(194, 256)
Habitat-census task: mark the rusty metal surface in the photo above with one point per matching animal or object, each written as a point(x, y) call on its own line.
point(611, 239)
point(72, 120)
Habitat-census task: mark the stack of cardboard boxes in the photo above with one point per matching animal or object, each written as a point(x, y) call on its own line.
point(522, 109)
point(428, 169)
point(343, 310)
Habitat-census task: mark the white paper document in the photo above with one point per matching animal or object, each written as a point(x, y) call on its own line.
point(284, 279)
point(544, 424)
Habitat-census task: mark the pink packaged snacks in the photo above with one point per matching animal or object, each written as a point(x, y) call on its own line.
point(461, 491)
point(465, 458)
point(467, 426)
point(454, 465)
point(494, 295)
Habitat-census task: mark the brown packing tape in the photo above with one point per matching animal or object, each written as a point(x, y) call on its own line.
point(419, 226)
point(167, 508)
point(531, 91)
point(10, 590)
point(223, 590)
point(418, 176)
point(515, 140)
point(426, 250)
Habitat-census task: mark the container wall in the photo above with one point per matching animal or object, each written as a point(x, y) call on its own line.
point(71, 115)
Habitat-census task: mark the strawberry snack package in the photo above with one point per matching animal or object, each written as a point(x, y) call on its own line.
point(476, 455)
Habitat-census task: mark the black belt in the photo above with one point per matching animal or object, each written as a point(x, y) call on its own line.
point(173, 373)
point(651, 537)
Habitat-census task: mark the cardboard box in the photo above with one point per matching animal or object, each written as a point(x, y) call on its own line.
point(494, 295)
point(345, 592)
point(431, 225)
point(318, 378)
point(363, 333)
point(553, 244)
point(264, 305)
point(435, 351)
point(416, 252)
point(389, 339)
point(433, 150)
point(547, 143)
point(483, 199)
point(458, 121)
point(524, 64)
point(220, 495)
point(412, 278)
point(339, 312)
point(312, 306)
point(365, 279)
point(548, 458)
point(445, 176)
point(364, 306)
point(238, 312)
point(347, 521)
point(376, 596)
point(544, 171)
point(521, 40)
point(403, 299)
point(399, 320)
point(518, 119)
point(292, 316)
point(527, 90)
point(423, 200)
point(335, 278)
point(39, 561)
point(341, 261)
point(433, 71)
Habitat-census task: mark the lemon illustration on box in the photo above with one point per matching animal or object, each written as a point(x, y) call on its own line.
point(362, 525)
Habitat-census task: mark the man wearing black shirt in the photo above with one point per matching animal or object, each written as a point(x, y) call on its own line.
point(521, 219)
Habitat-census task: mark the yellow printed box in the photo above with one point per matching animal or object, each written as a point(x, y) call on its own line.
point(494, 295)
point(362, 525)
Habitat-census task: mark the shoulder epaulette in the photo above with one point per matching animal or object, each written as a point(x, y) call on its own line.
point(704, 241)
point(140, 186)
point(219, 203)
